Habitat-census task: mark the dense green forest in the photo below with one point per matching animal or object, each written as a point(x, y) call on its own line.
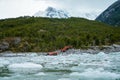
point(48, 34)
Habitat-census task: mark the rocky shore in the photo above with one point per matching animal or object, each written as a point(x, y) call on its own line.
point(91, 50)
point(105, 49)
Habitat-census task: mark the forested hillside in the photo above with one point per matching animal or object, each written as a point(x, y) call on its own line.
point(32, 34)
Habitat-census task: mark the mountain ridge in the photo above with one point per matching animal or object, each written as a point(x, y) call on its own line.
point(61, 13)
point(52, 13)
point(111, 15)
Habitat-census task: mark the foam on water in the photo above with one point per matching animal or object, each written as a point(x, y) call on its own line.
point(64, 79)
point(25, 67)
point(83, 66)
point(4, 62)
point(95, 74)
point(40, 74)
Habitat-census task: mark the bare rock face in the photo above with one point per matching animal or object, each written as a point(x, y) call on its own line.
point(13, 40)
point(6, 43)
point(4, 46)
point(111, 15)
point(17, 40)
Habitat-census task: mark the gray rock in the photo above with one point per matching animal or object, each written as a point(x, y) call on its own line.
point(4, 46)
point(95, 50)
point(17, 40)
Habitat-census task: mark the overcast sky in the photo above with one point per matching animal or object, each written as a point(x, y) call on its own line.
point(15, 8)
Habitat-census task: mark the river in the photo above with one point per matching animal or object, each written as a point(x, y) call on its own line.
point(73, 66)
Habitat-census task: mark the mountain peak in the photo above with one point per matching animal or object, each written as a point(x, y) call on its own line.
point(49, 9)
point(52, 13)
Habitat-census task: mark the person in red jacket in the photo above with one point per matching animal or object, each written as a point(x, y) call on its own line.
point(66, 48)
point(62, 50)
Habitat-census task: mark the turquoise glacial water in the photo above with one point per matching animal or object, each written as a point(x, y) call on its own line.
point(73, 66)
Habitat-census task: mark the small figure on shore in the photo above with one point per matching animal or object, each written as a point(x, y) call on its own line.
point(66, 48)
point(62, 50)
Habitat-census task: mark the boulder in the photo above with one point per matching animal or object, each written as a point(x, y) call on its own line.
point(4, 46)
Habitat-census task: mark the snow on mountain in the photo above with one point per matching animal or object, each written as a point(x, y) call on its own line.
point(52, 13)
point(88, 15)
point(56, 13)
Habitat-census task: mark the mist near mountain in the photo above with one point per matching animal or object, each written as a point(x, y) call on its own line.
point(61, 13)
point(16, 8)
point(52, 13)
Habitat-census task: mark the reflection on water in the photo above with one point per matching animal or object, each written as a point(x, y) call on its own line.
point(83, 66)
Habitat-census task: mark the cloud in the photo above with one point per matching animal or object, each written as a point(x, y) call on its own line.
point(81, 6)
point(15, 8)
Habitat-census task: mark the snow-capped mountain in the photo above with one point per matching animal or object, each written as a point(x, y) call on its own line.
point(56, 13)
point(52, 13)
